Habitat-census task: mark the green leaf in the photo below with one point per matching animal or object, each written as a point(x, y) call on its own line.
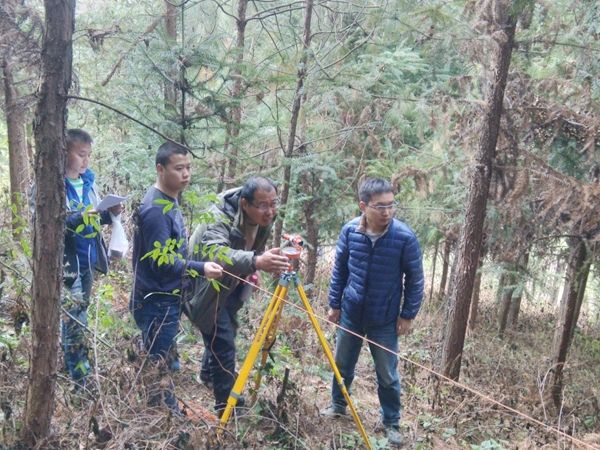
point(216, 285)
point(26, 247)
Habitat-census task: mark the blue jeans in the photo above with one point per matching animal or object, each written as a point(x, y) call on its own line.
point(75, 301)
point(347, 351)
point(157, 316)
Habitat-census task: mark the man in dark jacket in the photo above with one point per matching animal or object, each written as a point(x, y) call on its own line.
point(242, 226)
point(377, 264)
point(160, 265)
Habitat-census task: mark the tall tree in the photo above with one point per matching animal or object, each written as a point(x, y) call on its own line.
point(17, 141)
point(49, 131)
point(170, 84)
point(235, 115)
point(503, 22)
point(295, 113)
point(15, 47)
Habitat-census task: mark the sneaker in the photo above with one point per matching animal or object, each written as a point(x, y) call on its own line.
point(333, 411)
point(393, 436)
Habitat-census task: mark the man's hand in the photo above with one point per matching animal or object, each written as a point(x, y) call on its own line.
point(117, 209)
point(403, 326)
point(333, 315)
point(212, 270)
point(272, 261)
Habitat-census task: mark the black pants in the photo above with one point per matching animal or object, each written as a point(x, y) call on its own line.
point(218, 362)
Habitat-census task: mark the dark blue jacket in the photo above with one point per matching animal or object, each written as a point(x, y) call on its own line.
point(154, 224)
point(368, 281)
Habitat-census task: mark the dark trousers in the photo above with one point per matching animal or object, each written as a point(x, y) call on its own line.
point(218, 362)
point(75, 302)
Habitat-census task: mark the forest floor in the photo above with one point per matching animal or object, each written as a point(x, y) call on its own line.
point(514, 371)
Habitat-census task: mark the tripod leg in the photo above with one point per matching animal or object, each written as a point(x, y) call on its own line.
point(257, 343)
point(336, 372)
point(269, 341)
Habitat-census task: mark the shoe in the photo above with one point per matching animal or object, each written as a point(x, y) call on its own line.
point(393, 436)
point(239, 406)
point(334, 411)
point(205, 379)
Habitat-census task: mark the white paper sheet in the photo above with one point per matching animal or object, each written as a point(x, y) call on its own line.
point(109, 201)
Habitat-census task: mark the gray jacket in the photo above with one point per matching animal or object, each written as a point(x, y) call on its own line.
point(201, 300)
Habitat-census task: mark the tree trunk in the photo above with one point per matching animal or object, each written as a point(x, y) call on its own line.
point(505, 300)
point(500, 289)
point(17, 146)
point(435, 253)
point(48, 237)
point(235, 117)
point(566, 320)
point(170, 91)
point(515, 304)
point(445, 265)
point(472, 232)
point(289, 151)
point(554, 284)
point(312, 229)
point(583, 279)
point(475, 297)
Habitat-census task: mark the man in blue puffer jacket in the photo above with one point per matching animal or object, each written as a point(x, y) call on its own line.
point(376, 291)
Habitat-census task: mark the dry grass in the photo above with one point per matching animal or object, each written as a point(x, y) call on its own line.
point(513, 371)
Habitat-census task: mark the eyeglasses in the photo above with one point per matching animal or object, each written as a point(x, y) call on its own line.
point(384, 208)
point(264, 206)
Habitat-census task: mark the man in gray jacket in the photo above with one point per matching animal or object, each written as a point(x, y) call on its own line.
point(243, 222)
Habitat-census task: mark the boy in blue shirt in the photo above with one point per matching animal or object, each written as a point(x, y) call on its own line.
point(84, 251)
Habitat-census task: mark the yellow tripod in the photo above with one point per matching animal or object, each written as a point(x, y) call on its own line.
point(265, 336)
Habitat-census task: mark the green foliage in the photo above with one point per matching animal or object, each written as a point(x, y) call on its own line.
point(165, 253)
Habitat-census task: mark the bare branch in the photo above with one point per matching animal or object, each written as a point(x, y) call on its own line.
point(104, 105)
point(140, 38)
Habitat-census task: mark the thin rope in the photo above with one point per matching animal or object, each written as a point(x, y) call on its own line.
point(428, 369)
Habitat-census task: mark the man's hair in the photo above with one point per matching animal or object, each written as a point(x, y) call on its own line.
point(256, 183)
point(77, 135)
point(168, 149)
point(373, 186)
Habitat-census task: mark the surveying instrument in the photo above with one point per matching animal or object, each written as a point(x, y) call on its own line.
point(265, 336)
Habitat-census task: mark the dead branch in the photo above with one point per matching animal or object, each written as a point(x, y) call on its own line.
point(140, 38)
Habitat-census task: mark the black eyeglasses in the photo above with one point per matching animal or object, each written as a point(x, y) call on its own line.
point(384, 208)
point(264, 206)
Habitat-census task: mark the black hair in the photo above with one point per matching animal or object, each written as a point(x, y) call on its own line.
point(168, 149)
point(256, 183)
point(77, 135)
point(373, 186)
